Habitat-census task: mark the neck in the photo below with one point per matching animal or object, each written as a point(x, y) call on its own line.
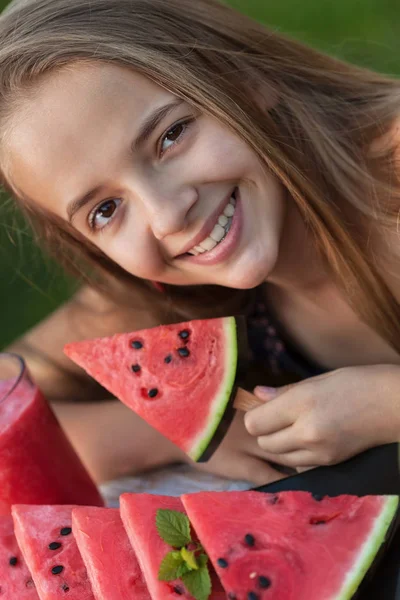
point(299, 269)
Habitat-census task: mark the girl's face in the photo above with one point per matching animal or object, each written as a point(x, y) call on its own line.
point(165, 191)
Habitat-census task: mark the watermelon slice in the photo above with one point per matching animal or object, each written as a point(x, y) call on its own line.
point(44, 534)
point(292, 545)
point(179, 378)
point(138, 512)
point(16, 582)
point(110, 561)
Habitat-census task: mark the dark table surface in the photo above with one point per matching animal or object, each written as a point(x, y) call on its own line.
point(376, 471)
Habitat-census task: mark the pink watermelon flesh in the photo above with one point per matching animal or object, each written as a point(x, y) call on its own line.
point(110, 561)
point(44, 534)
point(16, 582)
point(138, 512)
point(178, 378)
point(291, 545)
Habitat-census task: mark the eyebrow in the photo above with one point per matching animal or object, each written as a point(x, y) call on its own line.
point(78, 203)
point(146, 129)
point(152, 121)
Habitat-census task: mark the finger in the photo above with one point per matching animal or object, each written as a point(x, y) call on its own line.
point(298, 458)
point(303, 469)
point(267, 393)
point(269, 418)
point(280, 442)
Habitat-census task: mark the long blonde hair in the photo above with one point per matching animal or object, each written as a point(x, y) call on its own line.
point(315, 138)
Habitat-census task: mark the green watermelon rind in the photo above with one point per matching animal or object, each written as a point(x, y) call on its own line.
point(223, 396)
point(369, 551)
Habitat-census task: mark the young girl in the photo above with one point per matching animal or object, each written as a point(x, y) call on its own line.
point(186, 162)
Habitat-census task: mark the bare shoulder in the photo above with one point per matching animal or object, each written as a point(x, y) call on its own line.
point(88, 314)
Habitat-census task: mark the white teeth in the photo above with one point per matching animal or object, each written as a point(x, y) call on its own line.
point(229, 210)
point(217, 233)
point(208, 244)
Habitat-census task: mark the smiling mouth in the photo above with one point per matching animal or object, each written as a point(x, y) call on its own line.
point(220, 231)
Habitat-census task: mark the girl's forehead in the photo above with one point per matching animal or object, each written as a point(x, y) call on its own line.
point(93, 84)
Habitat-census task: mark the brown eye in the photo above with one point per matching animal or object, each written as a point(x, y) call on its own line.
point(107, 209)
point(174, 135)
point(103, 214)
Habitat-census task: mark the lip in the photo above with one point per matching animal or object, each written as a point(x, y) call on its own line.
point(207, 227)
point(228, 244)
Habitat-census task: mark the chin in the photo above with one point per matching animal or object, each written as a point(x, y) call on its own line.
point(252, 270)
point(248, 279)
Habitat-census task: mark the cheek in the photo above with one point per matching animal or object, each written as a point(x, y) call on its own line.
point(218, 155)
point(133, 252)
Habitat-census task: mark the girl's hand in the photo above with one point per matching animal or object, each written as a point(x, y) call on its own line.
point(240, 457)
point(329, 418)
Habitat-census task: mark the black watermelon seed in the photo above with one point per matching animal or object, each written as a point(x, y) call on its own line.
point(152, 393)
point(184, 334)
point(66, 531)
point(57, 570)
point(65, 588)
point(320, 522)
point(168, 359)
point(273, 499)
point(249, 539)
point(13, 561)
point(318, 497)
point(136, 368)
point(253, 596)
point(184, 352)
point(54, 546)
point(136, 344)
point(222, 563)
point(264, 582)
point(178, 590)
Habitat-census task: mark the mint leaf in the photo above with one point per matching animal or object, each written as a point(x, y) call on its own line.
point(170, 567)
point(198, 583)
point(190, 559)
point(202, 560)
point(173, 527)
point(182, 570)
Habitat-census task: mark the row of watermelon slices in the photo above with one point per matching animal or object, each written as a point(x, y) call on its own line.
point(286, 546)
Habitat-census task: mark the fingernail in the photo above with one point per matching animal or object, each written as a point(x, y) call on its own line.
point(266, 391)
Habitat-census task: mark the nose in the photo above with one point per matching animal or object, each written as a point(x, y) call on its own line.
point(168, 208)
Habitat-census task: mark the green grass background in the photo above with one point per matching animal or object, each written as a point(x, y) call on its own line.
point(366, 32)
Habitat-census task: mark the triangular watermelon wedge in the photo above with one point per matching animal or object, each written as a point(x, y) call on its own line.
point(110, 560)
point(44, 534)
point(138, 512)
point(292, 545)
point(179, 378)
point(16, 582)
